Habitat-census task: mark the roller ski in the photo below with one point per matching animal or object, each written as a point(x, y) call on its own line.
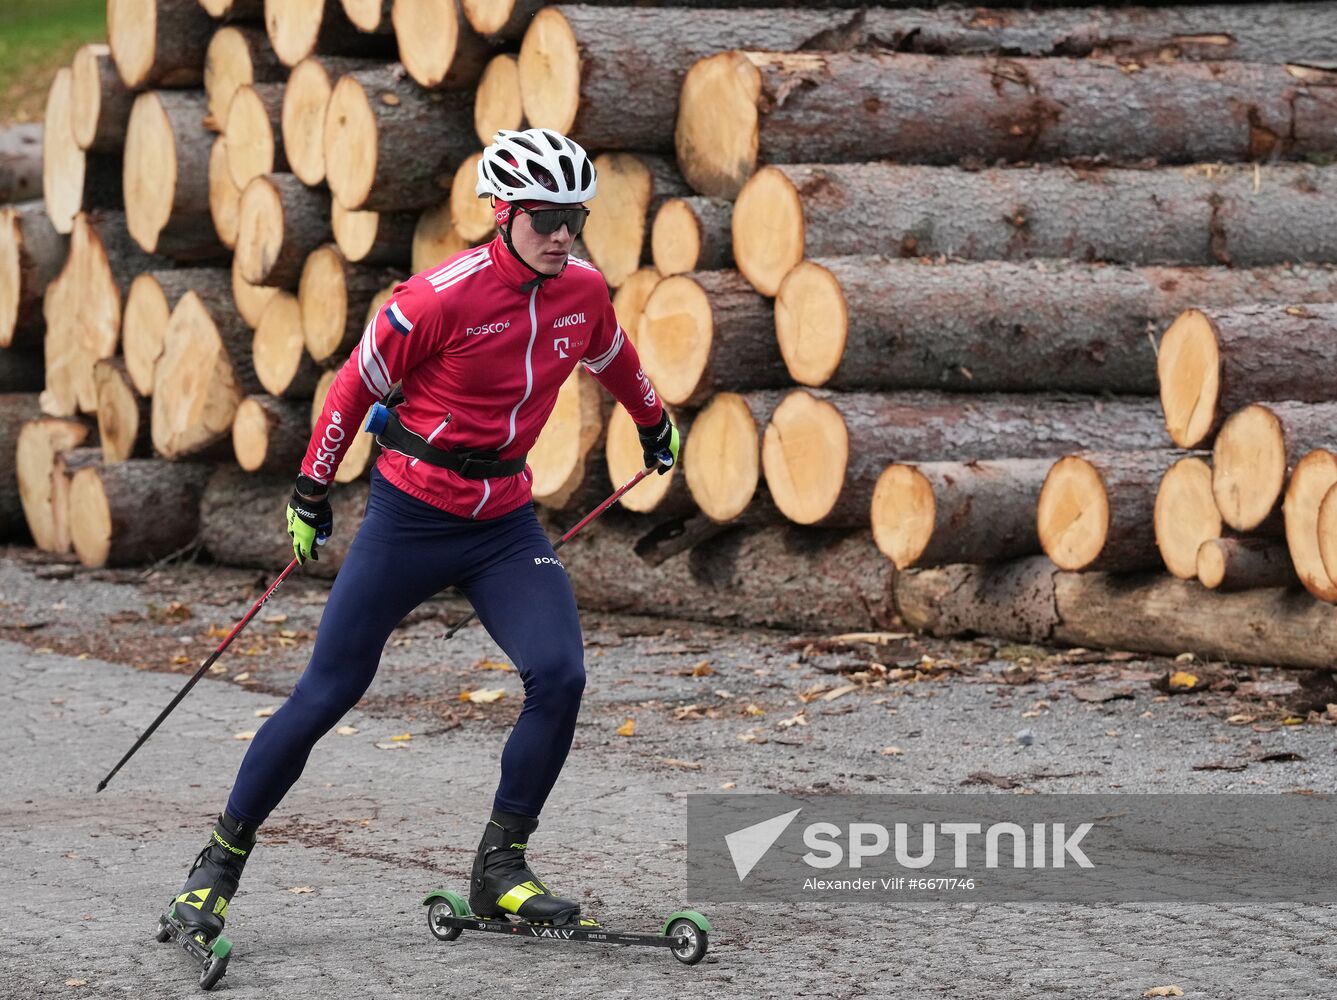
point(195, 918)
point(506, 897)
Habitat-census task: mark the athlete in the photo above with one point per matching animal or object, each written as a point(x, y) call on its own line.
point(479, 347)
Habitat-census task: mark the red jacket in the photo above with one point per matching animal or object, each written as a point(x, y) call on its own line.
point(481, 361)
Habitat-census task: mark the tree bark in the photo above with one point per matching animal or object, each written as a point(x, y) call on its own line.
point(235, 503)
point(722, 459)
point(99, 101)
point(1256, 449)
point(39, 443)
point(1241, 216)
point(299, 29)
point(334, 297)
point(832, 580)
point(743, 108)
point(204, 373)
point(122, 413)
point(1031, 601)
point(634, 187)
point(148, 308)
point(934, 513)
point(692, 234)
point(72, 180)
point(158, 43)
point(823, 452)
point(67, 465)
point(21, 162)
point(282, 221)
point(252, 133)
point(390, 146)
point(437, 45)
point(31, 256)
point(1096, 510)
point(135, 512)
point(167, 151)
point(15, 410)
point(575, 64)
point(497, 102)
point(1185, 516)
point(1231, 564)
point(238, 56)
point(279, 352)
point(269, 435)
point(368, 238)
point(1006, 327)
point(306, 98)
point(21, 371)
point(707, 332)
point(224, 196)
point(1211, 361)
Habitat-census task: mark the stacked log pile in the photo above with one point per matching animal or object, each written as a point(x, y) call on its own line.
point(911, 278)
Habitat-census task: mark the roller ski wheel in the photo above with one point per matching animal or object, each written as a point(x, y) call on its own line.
point(686, 933)
point(212, 956)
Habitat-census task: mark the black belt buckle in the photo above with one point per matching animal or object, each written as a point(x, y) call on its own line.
point(475, 465)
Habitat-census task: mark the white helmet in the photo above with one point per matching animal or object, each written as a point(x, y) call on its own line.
point(537, 164)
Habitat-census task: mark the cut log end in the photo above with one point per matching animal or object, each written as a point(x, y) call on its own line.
point(40, 442)
point(615, 233)
point(354, 232)
point(717, 134)
point(674, 335)
point(145, 324)
point(768, 230)
point(498, 103)
point(1185, 516)
point(249, 133)
point(559, 456)
point(134, 512)
point(323, 295)
point(1248, 467)
point(294, 27)
point(263, 430)
point(250, 298)
point(195, 387)
point(1211, 563)
point(904, 514)
point(305, 101)
point(1312, 478)
point(549, 67)
point(626, 459)
point(1327, 533)
point(675, 238)
point(122, 415)
point(63, 162)
point(722, 460)
point(132, 31)
point(428, 33)
point(472, 216)
point(1073, 515)
point(87, 107)
point(90, 518)
point(1188, 366)
point(435, 239)
point(811, 323)
point(278, 348)
point(150, 171)
point(224, 195)
point(350, 129)
point(227, 66)
point(630, 298)
point(260, 229)
point(366, 15)
point(805, 454)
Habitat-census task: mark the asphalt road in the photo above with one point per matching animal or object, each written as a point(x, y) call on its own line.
point(330, 904)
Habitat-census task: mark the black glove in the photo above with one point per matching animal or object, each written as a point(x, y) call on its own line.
point(310, 521)
point(660, 444)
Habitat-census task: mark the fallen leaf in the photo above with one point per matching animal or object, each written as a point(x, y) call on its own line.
point(178, 659)
point(76, 982)
point(492, 665)
point(1164, 991)
point(728, 785)
point(1182, 680)
point(347, 730)
point(1185, 658)
point(482, 695)
point(892, 751)
point(1240, 720)
point(301, 888)
point(401, 738)
point(246, 734)
point(84, 656)
point(1292, 720)
point(812, 693)
point(797, 719)
point(753, 709)
point(839, 692)
point(243, 676)
point(391, 746)
point(217, 668)
point(688, 765)
point(627, 728)
point(43, 649)
point(265, 713)
point(277, 619)
point(1018, 673)
point(703, 669)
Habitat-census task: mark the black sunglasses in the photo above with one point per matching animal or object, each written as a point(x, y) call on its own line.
point(547, 221)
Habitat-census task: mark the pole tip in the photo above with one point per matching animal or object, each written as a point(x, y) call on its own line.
point(102, 784)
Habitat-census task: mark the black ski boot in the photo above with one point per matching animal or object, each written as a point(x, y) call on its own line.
point(503, 883)
point(201, 907)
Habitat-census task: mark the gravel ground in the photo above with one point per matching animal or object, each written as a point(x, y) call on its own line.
point(330, 903)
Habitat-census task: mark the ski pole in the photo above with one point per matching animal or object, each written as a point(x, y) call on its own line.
point(213, 658)
point(617, 495)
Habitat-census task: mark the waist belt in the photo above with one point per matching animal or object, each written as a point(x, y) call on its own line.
point(471, 464)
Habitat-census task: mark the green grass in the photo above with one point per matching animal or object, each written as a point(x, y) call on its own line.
point(37, 37)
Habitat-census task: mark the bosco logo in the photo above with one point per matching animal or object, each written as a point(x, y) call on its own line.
point(478, 331)
point(547, 561)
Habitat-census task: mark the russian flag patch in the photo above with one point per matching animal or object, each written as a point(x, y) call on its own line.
point(397, 319)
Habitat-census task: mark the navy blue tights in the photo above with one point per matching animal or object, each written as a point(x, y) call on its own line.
point(406, 551)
